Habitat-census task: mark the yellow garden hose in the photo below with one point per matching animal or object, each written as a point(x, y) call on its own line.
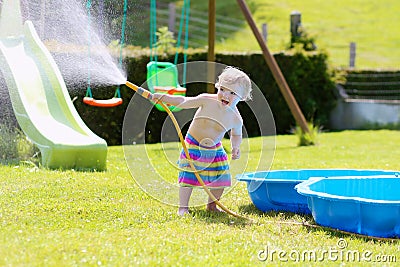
point(146, 94)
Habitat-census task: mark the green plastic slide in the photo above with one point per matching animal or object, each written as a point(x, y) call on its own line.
point(41, 102)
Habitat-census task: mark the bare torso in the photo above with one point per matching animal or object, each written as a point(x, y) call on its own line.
point(212, 120)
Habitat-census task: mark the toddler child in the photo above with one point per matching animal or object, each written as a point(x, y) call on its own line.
point(216, 114)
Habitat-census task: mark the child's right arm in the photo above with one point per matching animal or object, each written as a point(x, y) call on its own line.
point(181, 101)
point(174, 100)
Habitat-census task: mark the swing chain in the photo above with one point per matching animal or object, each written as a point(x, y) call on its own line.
point(89, 96)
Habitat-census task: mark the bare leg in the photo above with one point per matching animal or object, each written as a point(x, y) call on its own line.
point(184, 196)
point(212, 206)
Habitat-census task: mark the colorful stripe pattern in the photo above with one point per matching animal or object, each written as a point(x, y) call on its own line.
point(210, 162)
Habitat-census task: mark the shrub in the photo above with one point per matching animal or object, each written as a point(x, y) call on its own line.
point(15, 146)
point(307, 139)
point(306, 73)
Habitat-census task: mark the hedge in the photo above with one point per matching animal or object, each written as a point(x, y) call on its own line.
point(370, 84)
point(307, 75)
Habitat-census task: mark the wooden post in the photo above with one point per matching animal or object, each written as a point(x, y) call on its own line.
point(276, 72)
point(211, 48)
point(264, 30)
point(171, 17)
point(352, 62)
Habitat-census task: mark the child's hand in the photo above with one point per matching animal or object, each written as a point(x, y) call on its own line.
point(235, 153)
point(157, 97)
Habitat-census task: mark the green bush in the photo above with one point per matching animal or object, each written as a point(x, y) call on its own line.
point(14, 146)
point(370, 84)
point(307, 138)
point(307, 75)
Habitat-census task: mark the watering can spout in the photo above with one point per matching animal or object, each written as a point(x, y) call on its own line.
point(10, 19)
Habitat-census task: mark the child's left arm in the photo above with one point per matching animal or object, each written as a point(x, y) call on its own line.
point(236, 140)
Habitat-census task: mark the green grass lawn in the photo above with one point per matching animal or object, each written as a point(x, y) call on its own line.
point(374, 25)
point(71, 218)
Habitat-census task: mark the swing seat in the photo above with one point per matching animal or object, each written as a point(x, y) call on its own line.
point(105, 103)
point(162, 77)
point(170, 90)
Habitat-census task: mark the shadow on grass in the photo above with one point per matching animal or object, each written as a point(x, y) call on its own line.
point(251, 209)
point(332, 232)
point(307, 221)
point(218, 217)
point(36, 164)
point(18, 162)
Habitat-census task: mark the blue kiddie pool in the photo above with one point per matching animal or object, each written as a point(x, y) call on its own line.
point(368, 205)
point(274, 190)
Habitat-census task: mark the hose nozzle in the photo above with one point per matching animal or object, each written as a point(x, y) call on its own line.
point(141, 91)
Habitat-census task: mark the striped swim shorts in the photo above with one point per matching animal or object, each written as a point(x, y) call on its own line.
point(210, 162)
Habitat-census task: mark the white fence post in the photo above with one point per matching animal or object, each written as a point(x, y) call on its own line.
point(295, 23)
point(352, 62)
point(171, 17)
point(264, 30)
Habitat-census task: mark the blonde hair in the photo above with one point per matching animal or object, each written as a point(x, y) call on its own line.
point(236, 80)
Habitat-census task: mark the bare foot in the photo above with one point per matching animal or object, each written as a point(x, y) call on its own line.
point(183, 211)
point(215, 210)
point(213, 207)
